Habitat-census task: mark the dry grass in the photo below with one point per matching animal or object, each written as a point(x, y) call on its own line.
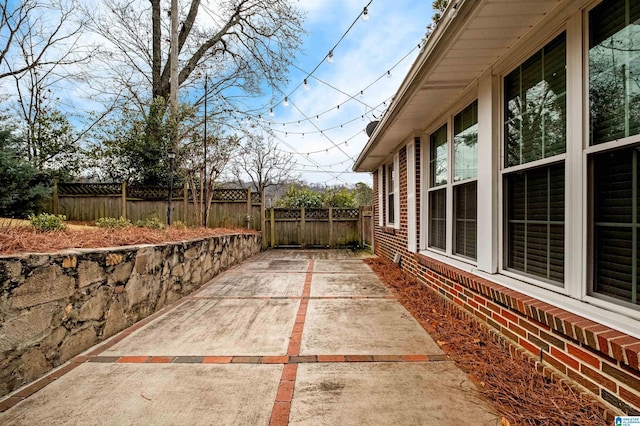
point(20, 237)
point(517, 390)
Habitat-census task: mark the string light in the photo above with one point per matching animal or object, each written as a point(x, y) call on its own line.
point(286, 101)
point(271, 112)
point(389, 74)
point(365, 14)
point(330, 57)
point(306, 85)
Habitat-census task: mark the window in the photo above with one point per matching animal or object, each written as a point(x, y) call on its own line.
point(465, 160)
point(391, 215)
point(534, 144)
point(614, 116)
point(380, 197)
point(393, 190)
point(438, 165)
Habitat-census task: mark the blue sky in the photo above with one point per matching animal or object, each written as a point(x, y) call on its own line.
point(368, 59)
point(362, 59)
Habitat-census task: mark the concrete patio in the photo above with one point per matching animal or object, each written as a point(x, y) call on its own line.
point(288, 337)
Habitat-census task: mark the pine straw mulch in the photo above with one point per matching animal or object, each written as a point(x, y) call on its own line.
point(24, 239)
point(518, 391)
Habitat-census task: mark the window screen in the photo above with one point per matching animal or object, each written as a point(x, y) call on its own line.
point(535, 106)
point(535, 222)
point(614, 69)
point(466, 229)
point(616, 222)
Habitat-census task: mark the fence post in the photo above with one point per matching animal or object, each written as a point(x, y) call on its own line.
point(185, 202)
point(361, 225)
point(249, 206)
point(273, 228)
point(123, 200)
point(55, 201)
point(303, 229)
point(330, 227)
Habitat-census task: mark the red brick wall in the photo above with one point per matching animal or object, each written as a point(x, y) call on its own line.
point(598, 358)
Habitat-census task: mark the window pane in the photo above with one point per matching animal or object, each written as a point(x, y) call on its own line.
point(615, 180)
point(465, 143)
point(535, 222)
point(439, 157)
point(390, 194)
point(465, 217)
point(614, 68)
point(438, 219)
point(535, 106)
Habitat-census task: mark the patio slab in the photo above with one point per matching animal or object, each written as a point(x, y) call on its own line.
point(215, 327)
point(273, 265)
point(386, 394)
point(255, 284)
point(342, 265)
point(365, 327)
point(154, 394)
point(366, 285)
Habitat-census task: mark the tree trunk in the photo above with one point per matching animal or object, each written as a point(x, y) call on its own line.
point(157, 49)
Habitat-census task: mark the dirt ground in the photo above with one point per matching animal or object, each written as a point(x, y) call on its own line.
point(17, 236)
point(518, 391)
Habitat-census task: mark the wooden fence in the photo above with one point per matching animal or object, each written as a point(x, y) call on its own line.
point(91, 201)
point(329, 227)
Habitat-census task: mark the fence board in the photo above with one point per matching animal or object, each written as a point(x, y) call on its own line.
point(313, 227)
point(89, 202)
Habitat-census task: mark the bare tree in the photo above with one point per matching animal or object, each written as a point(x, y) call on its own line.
point(238, 43)
point(39, 33)
point(201, 179)
point(263, 163)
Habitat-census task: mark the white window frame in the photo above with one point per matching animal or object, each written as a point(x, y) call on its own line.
point(425, 176)
point(381, 215)
point(411, 197)
point(574, 296)
point(395, 162)
point(556, 159)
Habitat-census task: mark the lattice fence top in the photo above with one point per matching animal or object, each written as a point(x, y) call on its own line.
point(346, 213)
point(230, 194)
point(153, 192)
point(89, 189)
point(316, 213)
point(287, 213)
point(255, 197)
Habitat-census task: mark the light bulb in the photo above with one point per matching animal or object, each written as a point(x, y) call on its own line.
point(330, 57)
point(271, 112)
point(286, 102)
point(298, 122)
point(306, 85)
point(365, 14)
point(317, 117)
point(388, 74)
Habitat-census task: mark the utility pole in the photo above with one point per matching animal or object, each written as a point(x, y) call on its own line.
point(205, 195)
point(173, 97)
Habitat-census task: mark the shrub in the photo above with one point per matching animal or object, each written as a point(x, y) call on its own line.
point(151, 223)
point(178, 224)
point(48, 222)
point(113, 223)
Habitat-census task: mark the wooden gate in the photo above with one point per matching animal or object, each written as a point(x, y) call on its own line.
point(329, 227)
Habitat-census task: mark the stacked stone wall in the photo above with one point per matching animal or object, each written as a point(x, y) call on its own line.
point(55, 306)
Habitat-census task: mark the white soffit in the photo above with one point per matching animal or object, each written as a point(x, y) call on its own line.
point(481, 33)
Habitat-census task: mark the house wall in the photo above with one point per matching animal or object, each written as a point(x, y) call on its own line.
point(591, 341)
point(598, 358)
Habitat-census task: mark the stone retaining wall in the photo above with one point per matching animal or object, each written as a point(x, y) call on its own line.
point(55, 306)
